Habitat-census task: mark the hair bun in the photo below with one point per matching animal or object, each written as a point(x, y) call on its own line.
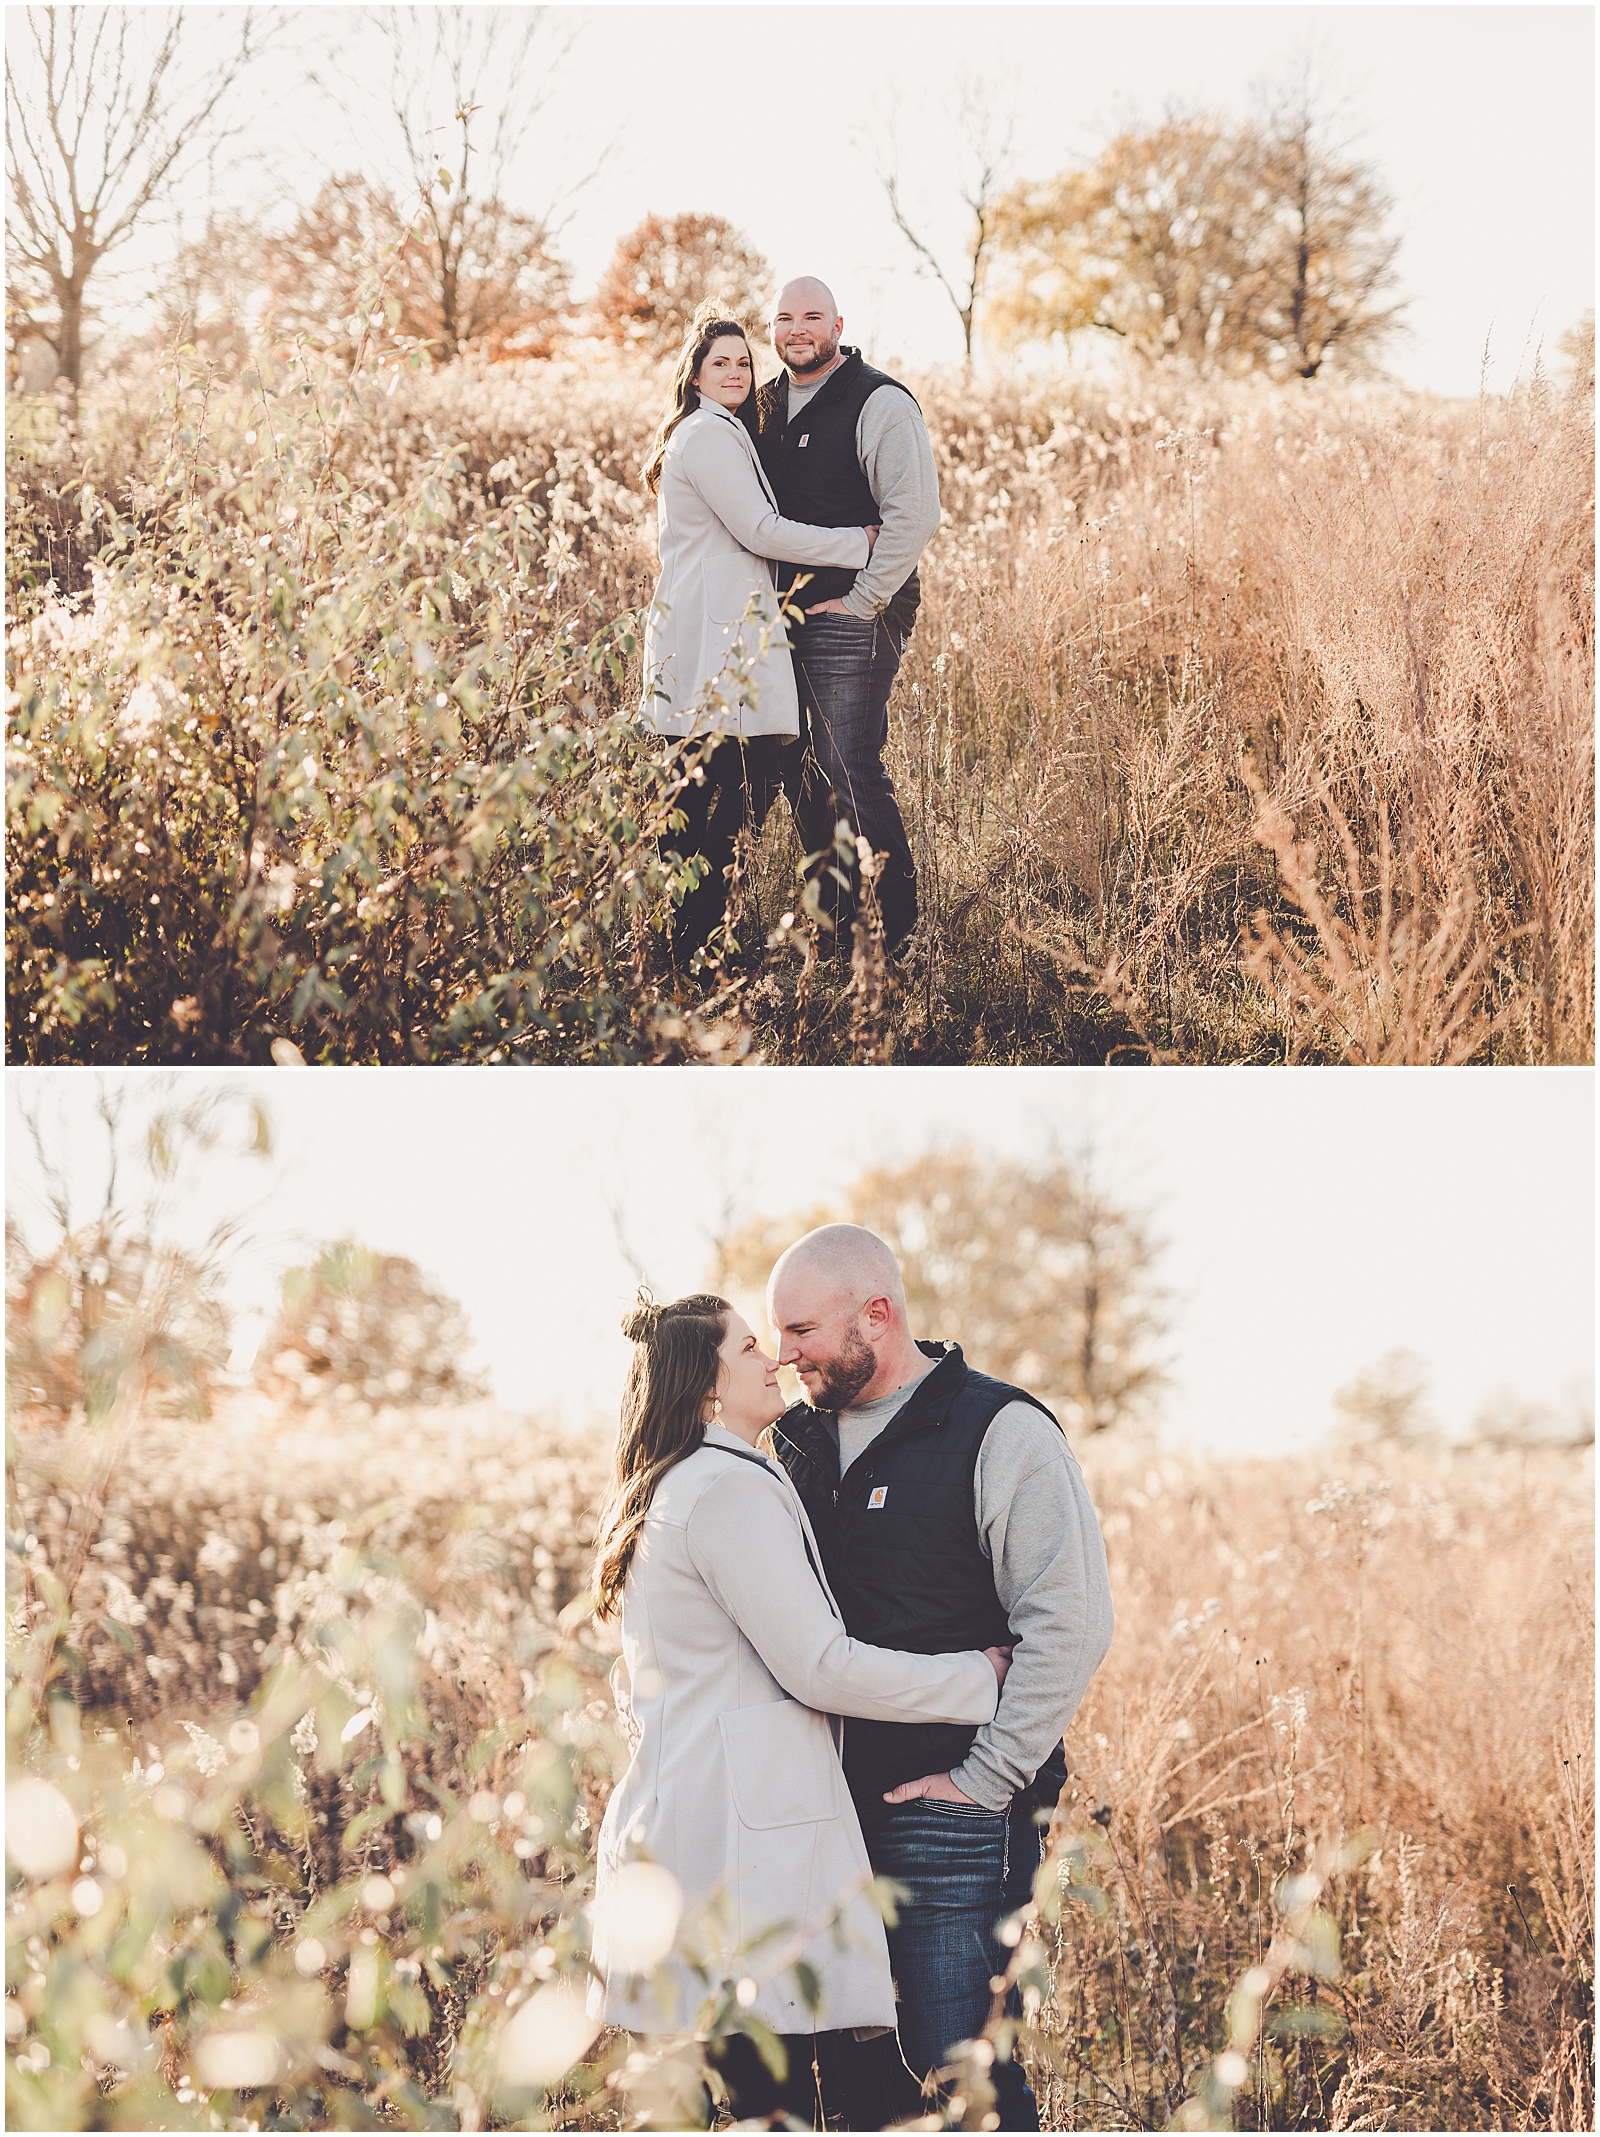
point(643, 1318)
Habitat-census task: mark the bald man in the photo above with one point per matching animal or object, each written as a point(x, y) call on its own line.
point(951, 1513)
point(840, 440)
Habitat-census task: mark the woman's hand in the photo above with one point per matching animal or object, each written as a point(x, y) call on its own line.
point(872, 534)
point(999, 1660)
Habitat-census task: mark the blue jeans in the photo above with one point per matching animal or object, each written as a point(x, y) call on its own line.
point(845, 667)
point(966, 1867)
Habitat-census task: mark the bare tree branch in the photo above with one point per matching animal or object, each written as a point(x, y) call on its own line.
point(100, 133)
point(988, 145)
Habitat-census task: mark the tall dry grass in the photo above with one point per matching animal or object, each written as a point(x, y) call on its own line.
point(1269, 712)
point(1308, 1653)
point(1241, 722)
point(1395, 1659)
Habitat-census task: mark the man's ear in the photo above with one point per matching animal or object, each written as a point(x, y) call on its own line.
point(880, 1315)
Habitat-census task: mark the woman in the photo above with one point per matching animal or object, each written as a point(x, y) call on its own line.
point(737, 1663)
point(715, 654)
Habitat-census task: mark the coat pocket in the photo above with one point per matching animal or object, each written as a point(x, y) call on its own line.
point(730, 582)
point(781, 1763)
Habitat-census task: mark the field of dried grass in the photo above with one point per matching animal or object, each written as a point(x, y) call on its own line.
point(1241, 723)
point(1325, 1860)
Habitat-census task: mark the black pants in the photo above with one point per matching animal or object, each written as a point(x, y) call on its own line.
point(856, 2085)
point(844, 669)
point(740, 782)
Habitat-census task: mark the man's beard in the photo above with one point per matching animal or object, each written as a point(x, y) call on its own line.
point(844, 1376)
point(826, 351)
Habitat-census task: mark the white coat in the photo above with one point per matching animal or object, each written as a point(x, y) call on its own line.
point(716, 522)
point(738, 1664)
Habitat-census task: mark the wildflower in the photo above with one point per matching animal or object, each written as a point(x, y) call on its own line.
point(209, 1754)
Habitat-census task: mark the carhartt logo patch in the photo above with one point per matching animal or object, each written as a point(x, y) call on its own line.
point(805, 437)
point(877, 1495)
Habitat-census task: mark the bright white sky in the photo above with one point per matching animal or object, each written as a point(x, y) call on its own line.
point(1313, 1220)
point(1478, 118)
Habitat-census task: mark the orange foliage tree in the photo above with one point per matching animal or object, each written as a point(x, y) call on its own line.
point(665, 269)
point(482, 281)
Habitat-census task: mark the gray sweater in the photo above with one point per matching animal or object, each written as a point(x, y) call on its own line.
point(897, 460)
point(1038, 1530)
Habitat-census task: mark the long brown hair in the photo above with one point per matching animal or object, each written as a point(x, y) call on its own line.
point(707, 326)
point(674, 1368)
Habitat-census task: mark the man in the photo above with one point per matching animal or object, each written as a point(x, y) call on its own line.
point(845, 445)
point(951, 1514)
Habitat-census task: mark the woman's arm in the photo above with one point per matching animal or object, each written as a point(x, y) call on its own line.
point(747, 1548)
point(714, 461)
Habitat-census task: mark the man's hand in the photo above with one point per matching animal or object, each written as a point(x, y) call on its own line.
point(828, 608)
point(938, 1785)
point(999, 1660)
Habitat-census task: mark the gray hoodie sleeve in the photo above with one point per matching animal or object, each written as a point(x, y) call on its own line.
point(716, 463)
point(897, 460)
point(1040, 1533)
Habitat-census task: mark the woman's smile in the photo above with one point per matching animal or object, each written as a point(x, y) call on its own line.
point(727, 373)
point(747, 1382)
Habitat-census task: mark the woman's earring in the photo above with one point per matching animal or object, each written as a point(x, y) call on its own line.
point(716, 1409)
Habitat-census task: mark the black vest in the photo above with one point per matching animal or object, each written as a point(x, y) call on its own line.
point(901, 1549)
point(815, 472)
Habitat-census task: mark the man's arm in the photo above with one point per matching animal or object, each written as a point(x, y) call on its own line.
point(1039, 1530)
point(897, 460)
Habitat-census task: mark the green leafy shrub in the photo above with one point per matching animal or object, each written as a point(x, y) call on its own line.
point(323, 760)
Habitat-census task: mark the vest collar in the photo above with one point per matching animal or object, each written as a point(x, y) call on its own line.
point(809, 1428)
point(853, 360)
point(932, 1392)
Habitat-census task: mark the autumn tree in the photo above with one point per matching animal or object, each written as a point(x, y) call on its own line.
point(1236, 246)
point(1386, 1405)
point(663, 271)
point(465, 90)
point(1576, 349)
point(1327, 263)
point(111, 1316)
point(370, 1325)
point(103, 126)
point(1148, 244)
point(1042, 1278)
point(508, 291)
point(1505, 1421)
point(316, 270)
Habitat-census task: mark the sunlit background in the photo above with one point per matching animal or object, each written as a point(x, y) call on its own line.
point(1305, 1225)
point(1477, 120)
